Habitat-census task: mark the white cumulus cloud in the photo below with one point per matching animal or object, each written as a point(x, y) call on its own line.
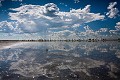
point(117, 30)
point(117, 26)
point(50, 21)
point(36, 18)
point(113, 11)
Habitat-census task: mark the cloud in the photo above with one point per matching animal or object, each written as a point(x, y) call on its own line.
point(113, 11)
point(100, 33)
point(51, 9)
point(117, 30)
point(103, 30)
point(1, 2)
point(65, 34)
point(76, 1)
point(117, 26)
point(36, 18)
point(18, 0)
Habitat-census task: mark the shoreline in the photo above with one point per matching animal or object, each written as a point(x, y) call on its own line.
point(56, 40)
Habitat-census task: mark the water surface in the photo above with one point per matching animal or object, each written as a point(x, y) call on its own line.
point(60, 61)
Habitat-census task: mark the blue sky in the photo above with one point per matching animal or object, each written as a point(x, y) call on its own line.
point(59, 19)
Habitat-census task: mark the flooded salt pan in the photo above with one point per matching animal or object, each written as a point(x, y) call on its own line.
point(61, 61)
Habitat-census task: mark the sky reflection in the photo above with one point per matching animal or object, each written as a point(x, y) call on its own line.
point(61, 60)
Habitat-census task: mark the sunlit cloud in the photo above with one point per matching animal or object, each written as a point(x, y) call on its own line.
point(113, 11)
point(37, 19)
point(49, 22)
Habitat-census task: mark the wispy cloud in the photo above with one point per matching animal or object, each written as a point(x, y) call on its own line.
point(18, 0)
point(1, 2)
point(76, 1)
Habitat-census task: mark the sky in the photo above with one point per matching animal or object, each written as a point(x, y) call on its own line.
point(59, 19)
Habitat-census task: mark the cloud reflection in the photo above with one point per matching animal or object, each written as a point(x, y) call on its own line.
point(53, 59)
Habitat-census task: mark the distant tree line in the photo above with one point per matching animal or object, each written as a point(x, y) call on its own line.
point(66, 40)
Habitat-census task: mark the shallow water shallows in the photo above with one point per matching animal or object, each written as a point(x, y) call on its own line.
point(60, 61)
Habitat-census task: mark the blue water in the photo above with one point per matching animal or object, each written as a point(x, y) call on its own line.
point(60, 61)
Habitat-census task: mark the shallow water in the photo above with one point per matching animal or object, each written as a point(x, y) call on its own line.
point(60, 61)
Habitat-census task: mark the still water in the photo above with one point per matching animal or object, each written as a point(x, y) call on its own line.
point(60, 61)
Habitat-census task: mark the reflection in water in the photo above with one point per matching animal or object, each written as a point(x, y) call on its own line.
point(61, 61)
